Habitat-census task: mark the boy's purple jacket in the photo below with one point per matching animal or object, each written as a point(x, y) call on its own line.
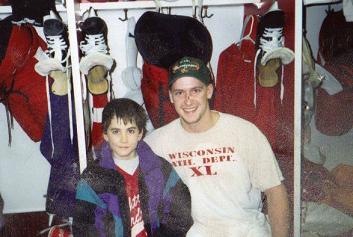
point(102, 207)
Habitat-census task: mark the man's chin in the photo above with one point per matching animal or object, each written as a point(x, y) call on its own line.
point(190, 120)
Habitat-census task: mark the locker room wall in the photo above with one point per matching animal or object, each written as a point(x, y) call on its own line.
point(24, 172)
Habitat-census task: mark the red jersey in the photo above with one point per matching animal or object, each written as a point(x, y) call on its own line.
point(132, 190)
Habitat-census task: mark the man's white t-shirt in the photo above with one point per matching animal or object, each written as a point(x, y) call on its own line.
point(225, 168)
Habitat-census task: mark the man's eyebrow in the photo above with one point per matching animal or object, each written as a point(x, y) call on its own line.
point(195, 87)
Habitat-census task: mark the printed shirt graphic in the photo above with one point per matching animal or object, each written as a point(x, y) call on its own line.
point(132, 190)
point(225, 168)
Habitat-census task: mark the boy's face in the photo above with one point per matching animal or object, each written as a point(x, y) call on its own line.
point(123, 138)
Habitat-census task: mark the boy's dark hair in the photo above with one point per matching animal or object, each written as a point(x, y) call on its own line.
point(127, 110)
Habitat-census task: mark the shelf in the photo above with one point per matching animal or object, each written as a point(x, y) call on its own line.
point(151, 4)
point(313, 2)
point(8, 10)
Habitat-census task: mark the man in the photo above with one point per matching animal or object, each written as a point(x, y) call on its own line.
point(224, 160)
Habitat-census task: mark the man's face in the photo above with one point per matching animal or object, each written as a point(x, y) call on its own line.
point(190, 97)
point(123, 138)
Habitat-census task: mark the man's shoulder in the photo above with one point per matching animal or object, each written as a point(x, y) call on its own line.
point(233, 119)
point(234, 124)
point(161, 131)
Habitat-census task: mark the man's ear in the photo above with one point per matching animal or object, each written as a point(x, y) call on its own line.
point(171, 97)
point(210, 90)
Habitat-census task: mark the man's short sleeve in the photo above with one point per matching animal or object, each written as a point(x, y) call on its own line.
point(264, 169)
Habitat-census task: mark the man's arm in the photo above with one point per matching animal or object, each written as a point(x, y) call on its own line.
point(278, 210)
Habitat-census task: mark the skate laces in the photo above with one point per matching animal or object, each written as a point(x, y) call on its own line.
point(57, 48)
point(94, 43)
point(272, 38)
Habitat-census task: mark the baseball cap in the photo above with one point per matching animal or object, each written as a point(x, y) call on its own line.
point(189, 67)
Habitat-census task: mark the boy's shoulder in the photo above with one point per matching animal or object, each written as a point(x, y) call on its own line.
point(151, 160)
point(95, 171)
point(101, 179)
point(148, 155)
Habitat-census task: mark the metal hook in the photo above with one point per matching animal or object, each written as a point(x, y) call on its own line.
point(329, 9)
point(125, 18)
point(169, 10)
point(194, 14)
point(204, 13)
point(158, 5)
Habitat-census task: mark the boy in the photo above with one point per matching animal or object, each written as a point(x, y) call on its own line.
point(130, 191)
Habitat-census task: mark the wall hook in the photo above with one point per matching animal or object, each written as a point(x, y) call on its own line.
point(158, 5)
point(125, 17)
point(168, 10)
point(204, 13)
point(194, 14)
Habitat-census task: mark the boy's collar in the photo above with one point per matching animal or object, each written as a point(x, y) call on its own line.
point(147, 158)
